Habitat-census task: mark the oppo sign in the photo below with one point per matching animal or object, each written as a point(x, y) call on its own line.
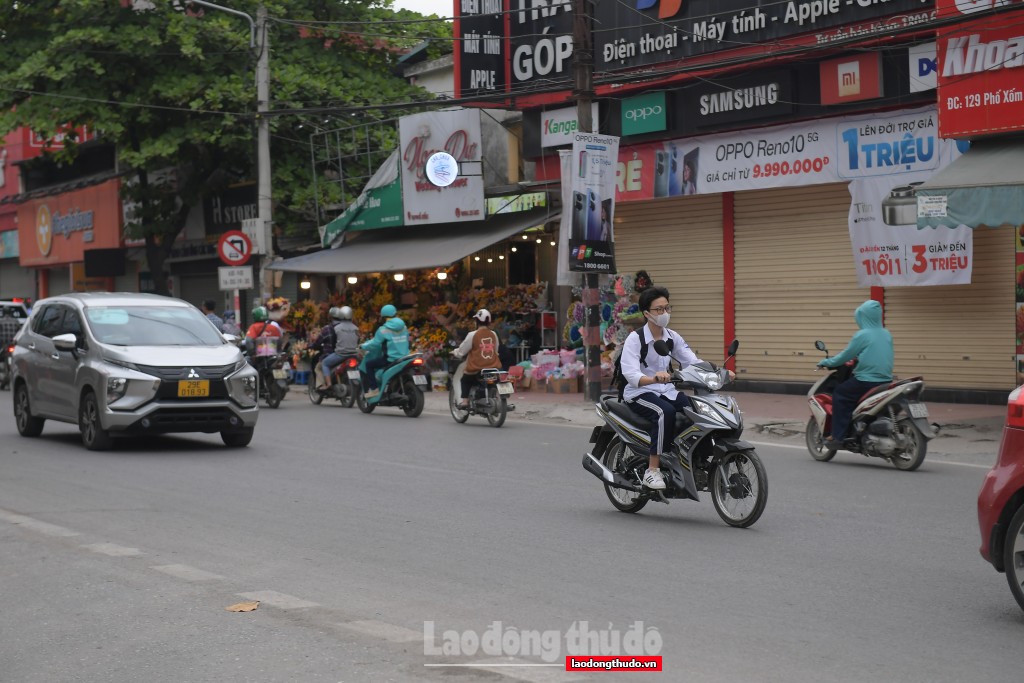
point(644, 114)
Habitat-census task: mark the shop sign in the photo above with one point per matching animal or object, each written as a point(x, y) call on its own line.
point(55, 229)
point(35, 144)
point(480, 56)
point(592, 211)
point(540, 37)
point(654, 31)
point(80, 282)
point(923, 67)
point(559, 125)
point(851, 79)
point(748, 97)
point(423, 135)
point(981, 76)
point(227, 209)
point(515, 203)
point(647, 113)
point(9, 244)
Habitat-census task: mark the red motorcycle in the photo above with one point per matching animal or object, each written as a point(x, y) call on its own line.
point(344, 382)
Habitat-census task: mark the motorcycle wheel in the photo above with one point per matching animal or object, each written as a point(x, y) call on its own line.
point(315, 397)
point(499, 412)
point(458, 415)
point(274, 394)
point(363, 405)
point(1013, 556)
point(350, 397)
point(912, 458)
point(739, 488)
point(615, 457)
point(415, 407)
point(816, 444)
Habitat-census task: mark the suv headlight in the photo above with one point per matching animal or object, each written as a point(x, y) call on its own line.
point(116, 388)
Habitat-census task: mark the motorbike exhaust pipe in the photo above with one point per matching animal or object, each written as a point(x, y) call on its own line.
point(594, 466)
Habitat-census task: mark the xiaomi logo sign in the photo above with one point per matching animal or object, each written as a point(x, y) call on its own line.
point(666, 8)
point(850, 79)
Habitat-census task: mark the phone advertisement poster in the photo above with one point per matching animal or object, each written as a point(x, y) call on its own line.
point(592, 207)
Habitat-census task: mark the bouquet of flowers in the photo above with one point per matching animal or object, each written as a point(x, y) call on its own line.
point(278, 307)
point(304, 317)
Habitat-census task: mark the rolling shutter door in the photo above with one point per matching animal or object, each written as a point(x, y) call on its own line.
point(960, 336)
point(197, 288)
point(795, 279)
point(678, 241)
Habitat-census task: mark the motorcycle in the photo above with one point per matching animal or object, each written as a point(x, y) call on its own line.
point(707, 455)
point(344, 382)
point(399, 386)
point(488, 397)
point(6, 354)
point(273, 376)
point(889, 422)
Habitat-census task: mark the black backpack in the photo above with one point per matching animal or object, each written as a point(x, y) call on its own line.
point(618, 379)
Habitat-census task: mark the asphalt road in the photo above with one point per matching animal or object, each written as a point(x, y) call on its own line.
point(358, 533)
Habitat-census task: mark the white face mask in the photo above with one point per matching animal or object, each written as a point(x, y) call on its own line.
point(659, 320)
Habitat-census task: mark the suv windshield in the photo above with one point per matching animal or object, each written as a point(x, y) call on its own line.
point(151, 326)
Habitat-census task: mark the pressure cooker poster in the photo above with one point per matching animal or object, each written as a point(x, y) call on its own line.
point(592, 207)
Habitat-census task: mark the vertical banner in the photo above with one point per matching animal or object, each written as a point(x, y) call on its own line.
point(592, 204)
point(565, 276)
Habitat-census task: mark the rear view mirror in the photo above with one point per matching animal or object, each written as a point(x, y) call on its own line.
point(662, 348)
point(820, 345)
point(65, 342)
point(733, 347)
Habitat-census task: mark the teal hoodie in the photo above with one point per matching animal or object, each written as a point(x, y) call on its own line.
point(871, 346)
point(395, 333)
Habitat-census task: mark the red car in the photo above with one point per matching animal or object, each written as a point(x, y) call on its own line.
point(1001, 501)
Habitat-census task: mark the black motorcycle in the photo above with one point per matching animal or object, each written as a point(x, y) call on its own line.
point(488, 397)
point(345, 382)
point(273, 376)
point(6, 354)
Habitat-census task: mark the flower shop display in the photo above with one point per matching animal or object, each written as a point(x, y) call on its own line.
point(620, 313)
point(277, 308)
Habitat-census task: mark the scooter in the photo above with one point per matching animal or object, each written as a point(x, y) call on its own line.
point(399, 384)
point(889, 422)
point(273, 376)
point(489, 397)
point(6, 354)
point(345, 382)
point(707, 455)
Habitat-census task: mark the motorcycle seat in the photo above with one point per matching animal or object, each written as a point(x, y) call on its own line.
point(890, 385)
point(626, 414)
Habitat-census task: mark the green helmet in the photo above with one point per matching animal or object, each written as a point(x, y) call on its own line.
point(388, 311)
point(259, 314)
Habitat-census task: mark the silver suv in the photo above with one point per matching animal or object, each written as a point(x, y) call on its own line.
point(130, 364)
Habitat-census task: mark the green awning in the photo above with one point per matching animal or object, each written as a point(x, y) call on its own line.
point(985, 186)
point(379, 205)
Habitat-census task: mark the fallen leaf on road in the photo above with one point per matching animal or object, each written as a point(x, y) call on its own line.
point(244, 606)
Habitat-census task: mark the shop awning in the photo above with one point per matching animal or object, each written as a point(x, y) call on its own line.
point(985, 186)
point(414, 248)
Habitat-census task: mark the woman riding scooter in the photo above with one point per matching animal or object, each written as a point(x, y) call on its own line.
point(390, 343)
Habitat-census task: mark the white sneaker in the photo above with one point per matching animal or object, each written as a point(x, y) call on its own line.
point(654, 480)
point(372, 392)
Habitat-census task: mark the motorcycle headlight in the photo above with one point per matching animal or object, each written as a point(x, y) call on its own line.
point(712, 379)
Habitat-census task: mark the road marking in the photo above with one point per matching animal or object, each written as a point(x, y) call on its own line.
point(187, 573)
point(112, 549)
point(279, 600)
point(933, 462)
point(36, 525)
point(380, 629)
point(519, 669)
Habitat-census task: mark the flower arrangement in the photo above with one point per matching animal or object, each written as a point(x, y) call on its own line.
point(302, 352)
point(430, 340)
point(277, 308)
point(305, 318)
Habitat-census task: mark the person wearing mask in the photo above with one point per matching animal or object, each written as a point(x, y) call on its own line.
point(649, 391)
point(390, 343)
point(230, 325)
point(346, 345)
point(872, 346)
point(209, 308)
point(480, 347)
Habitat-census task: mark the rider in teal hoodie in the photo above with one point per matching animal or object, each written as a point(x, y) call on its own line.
point(871, 345)
point(392, 336)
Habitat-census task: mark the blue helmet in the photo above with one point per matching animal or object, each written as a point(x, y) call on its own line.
point(388, 311)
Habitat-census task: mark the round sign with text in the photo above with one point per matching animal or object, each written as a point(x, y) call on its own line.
point(442, 169)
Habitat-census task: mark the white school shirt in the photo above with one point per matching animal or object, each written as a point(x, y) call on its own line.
point(632, 370)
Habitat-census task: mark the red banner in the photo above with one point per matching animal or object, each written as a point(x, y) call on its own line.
point(981, 76)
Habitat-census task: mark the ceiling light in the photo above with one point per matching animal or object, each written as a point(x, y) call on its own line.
point(305, 283)
point(352, 279)
point(515, 249)
point(399, 277)
point(442, 275)
point(501, 256)
point(490, 260)
point(552, 243)
point(476, 258)
point(526, 237)
point(539, 240)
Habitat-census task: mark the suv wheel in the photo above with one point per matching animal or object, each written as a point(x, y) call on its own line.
point(27, 424)
point(94, 437)
point(237, 439)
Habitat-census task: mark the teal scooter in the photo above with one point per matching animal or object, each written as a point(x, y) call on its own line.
point(400, 385)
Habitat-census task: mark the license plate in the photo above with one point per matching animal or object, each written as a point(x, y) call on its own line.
point(280, 373)
point(505, 388)
point(353, 375)
point(193, 388)
point(419, 379)
point(918, 410)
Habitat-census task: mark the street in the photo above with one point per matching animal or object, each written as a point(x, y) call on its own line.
point(358, 532)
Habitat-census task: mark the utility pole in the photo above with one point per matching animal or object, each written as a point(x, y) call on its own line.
point(583, 65)
point(264, 207)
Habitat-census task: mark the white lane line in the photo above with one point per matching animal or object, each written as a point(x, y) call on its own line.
point(112, 549)
point(279, 600)
point(520, 669)
point(36, 525)
point(930, 462)
point(380, 629)
point(187, 573)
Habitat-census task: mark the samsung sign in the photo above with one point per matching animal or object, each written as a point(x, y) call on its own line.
point(644, 114)
point(749, 97)
point(557, 126)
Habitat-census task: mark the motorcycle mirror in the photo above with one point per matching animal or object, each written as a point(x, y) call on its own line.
point(820, 345)
point(662, 348)
point(733, 347)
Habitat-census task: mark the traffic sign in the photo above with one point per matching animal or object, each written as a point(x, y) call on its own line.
point(235, 277)
point(234, 248)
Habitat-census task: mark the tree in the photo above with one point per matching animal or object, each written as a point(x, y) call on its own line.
point(172, 89)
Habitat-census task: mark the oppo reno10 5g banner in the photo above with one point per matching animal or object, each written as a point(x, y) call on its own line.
point(592, 209)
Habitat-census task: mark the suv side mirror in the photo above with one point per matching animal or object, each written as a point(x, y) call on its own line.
point(65, 342)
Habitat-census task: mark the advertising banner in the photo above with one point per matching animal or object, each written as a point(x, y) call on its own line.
point(55, 230)
point(592, 211)
point(558, 125)
point(457, 133)
point(480, 56)
point(923, 67)
point(981, 76)
point(647, 113)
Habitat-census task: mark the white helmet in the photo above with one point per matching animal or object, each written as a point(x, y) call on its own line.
point(335, 313)
point(345, 313)
point(483, 315)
